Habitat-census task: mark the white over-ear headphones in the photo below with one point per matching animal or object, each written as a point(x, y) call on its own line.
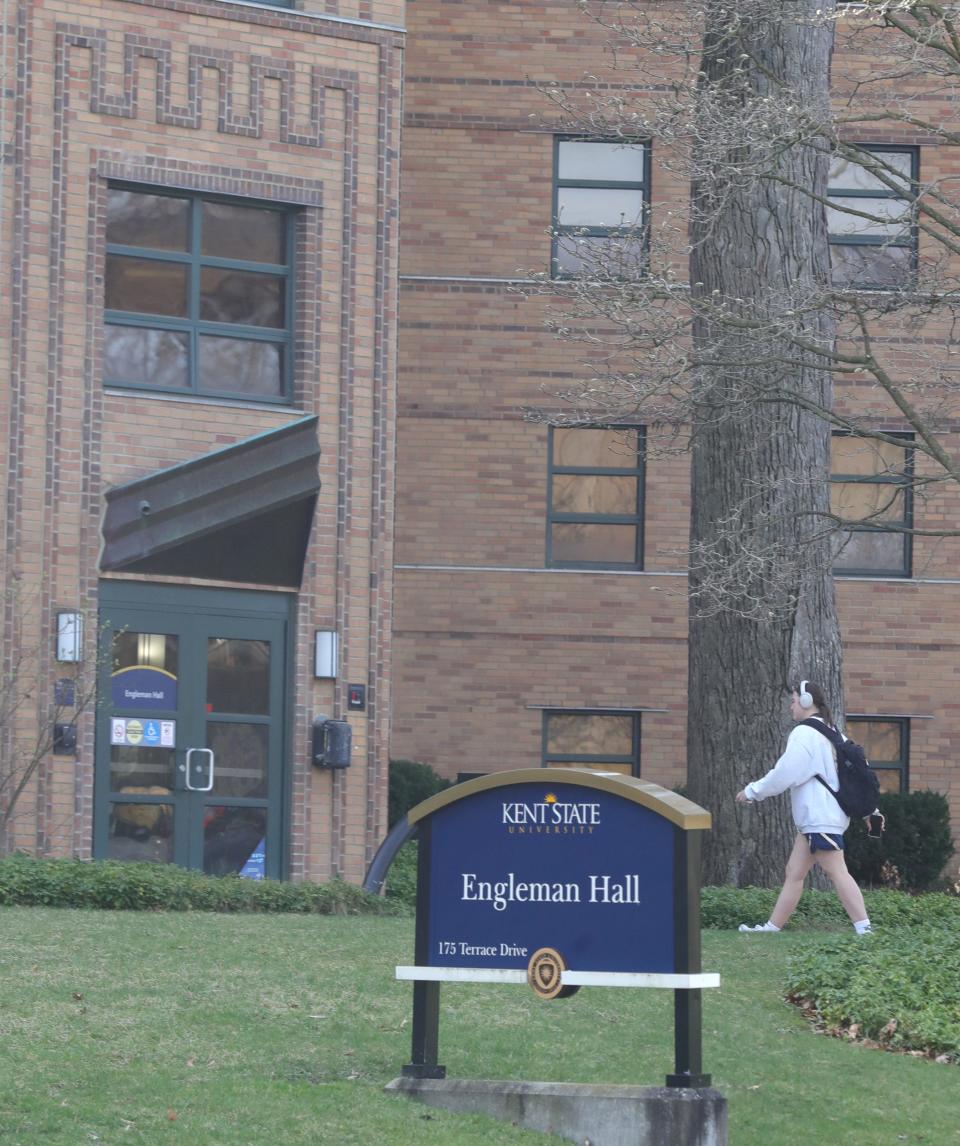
point(806, 700)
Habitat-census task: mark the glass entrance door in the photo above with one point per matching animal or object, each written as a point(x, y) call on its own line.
point(191, 729)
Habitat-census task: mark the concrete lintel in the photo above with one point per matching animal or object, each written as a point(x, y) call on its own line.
point(598, 1114)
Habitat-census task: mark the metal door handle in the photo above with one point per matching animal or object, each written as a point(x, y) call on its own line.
point(197, 787)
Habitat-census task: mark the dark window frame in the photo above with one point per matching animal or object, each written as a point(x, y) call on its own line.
point(906, 481)
point(912, 242)
point(559, 229)
point(637, 519)
point(192, 325)
point(586, 758)
point(900, 766)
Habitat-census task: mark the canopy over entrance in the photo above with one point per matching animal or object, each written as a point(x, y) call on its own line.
point(242, 513)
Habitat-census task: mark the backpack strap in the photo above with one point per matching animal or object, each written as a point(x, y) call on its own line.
point(835, 739)
point(817, 776)
point(824, 729)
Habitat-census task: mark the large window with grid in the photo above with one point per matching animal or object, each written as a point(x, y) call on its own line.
point(198, 295)
point(601, 192)
point(870, 487)
point(605, 741)
point(873, 240)
point(595, 497)
point(886, 741)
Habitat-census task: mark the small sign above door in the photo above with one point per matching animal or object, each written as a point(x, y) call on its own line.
point(142, 686)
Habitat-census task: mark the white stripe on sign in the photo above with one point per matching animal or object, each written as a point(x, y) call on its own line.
point(462, 974)
point(568, 978)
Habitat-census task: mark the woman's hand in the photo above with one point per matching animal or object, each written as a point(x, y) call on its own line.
point(741, 797)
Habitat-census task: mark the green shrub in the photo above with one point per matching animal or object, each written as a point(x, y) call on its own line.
point(898, 988)
point(889, 910)
point(29, 882)
point(727, 907)
point(916, 845)
point(411, 783)
point(402, 877)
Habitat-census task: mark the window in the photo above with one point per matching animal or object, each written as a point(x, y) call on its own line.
point(878, 246)
point(600, 194)
point(886, 741)
point(605, 741)
point(870, 486)
point(595, 498)
point(198, 295)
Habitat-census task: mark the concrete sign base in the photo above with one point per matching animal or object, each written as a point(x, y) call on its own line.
point(600, 1115)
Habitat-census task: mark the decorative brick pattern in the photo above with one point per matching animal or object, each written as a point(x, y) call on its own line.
point(137, 48)
point(257, 103)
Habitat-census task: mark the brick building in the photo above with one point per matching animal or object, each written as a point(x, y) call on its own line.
point(213, 345)
point(540, 601)
point(199, 217)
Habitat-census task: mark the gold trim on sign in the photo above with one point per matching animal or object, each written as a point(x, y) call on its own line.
point(671, 805)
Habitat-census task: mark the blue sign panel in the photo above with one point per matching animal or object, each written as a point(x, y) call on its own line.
point(582, 870)
point(255, 867)
point(141, 686)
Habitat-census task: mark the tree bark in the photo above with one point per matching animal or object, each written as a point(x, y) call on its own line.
point(758, 249)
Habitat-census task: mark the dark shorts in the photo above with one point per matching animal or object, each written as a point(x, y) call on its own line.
point(822, 842)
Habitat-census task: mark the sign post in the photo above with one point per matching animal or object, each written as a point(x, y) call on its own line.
point(688, 1004)
point(425, 1028)
point(559, 878)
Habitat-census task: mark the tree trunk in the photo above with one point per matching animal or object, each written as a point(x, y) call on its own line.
point(761, 592)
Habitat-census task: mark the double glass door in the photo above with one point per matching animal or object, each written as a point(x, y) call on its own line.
point(190, 729)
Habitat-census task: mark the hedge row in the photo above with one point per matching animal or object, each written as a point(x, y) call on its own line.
point(162, 887)
point(727, 907)
point(898, 989)
point(30, 882)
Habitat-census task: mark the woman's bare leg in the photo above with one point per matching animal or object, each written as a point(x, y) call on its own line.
point(834, 864)
point(799, 863)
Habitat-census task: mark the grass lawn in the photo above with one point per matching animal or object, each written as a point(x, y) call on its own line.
point(244, 1030)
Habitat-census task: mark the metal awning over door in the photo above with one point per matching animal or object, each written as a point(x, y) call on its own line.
point(239, 514)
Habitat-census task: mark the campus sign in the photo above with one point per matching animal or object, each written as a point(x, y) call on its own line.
point(559, 878)
point(530, 865)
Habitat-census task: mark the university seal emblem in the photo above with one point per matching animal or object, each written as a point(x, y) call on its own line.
point(544, 974)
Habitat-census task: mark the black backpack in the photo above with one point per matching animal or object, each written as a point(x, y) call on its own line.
point(859, 788)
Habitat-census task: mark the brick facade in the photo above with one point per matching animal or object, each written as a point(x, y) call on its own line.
point(265, 104)
point(486, 635)
point(461, 632)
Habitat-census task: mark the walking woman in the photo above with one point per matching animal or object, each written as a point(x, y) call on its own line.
point(820, 820)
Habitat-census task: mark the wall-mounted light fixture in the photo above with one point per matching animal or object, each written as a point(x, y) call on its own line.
point(69, 637)
point(325, 655)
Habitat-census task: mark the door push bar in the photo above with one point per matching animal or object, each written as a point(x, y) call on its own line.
point(198, 787)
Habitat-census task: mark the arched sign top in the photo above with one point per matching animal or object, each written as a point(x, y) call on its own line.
point(559, 877)
point(671, 805)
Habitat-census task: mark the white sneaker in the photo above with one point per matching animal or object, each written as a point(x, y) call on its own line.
point(759, 927)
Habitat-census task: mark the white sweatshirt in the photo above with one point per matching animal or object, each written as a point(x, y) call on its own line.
point(808, 753)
